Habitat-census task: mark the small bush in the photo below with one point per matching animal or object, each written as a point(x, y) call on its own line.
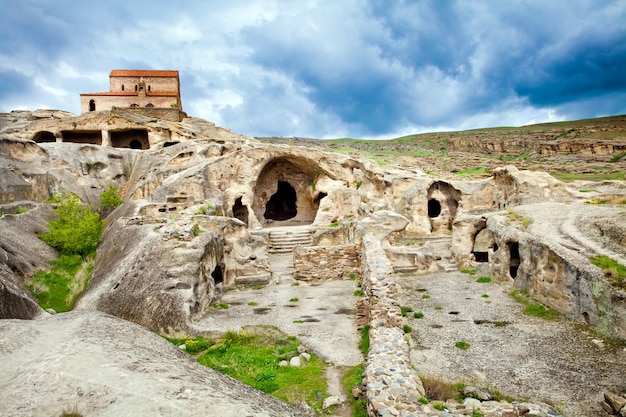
point(439, 406)
point(359, 293)
point(405, 310)
point(407, 328)
point(110, 199)
point(423, 400)
point(462, 345)
point(418, 315)
point(439, 390)
point(483, 279)
point(76, 230)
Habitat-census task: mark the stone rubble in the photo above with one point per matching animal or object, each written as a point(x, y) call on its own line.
point(392, 386)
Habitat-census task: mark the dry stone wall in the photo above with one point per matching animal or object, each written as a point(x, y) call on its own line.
point(318, 263)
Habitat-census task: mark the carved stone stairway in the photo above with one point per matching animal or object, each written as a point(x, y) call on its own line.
point(285, 239)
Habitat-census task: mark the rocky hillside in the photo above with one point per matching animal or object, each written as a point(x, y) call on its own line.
point(591, 149)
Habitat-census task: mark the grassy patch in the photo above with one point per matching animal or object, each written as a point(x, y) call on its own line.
point(484, 279)
point(525, 221)
point(359, 293)
point(474, 172)
point(439, 390)
point(253, 359)
point(364, 342)
point(485, 295)
point(406, 310)
point(615, 272)
point(469, 271)
point(59, 287)
point(596, 176)
point(353, 377)
point(221, 306)
point(462, 345)
point(533, 308)
point(294, 300)
point(418, 315)
point(425, 296)
point(253, 303)
point(407, 328)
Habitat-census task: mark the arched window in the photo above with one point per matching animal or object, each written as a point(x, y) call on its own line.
point(92, 105)
point(149, 105)
point(134, 105)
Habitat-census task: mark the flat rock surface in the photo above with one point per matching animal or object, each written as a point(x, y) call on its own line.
point(99, 365)
point(555, 361)
point(322, 318)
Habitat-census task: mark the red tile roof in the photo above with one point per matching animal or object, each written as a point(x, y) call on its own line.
point(143, 73)
point(134, 93)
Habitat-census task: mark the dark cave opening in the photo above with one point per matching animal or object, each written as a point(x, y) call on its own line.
point(282, 205)
point(514, 260)
point(217, 275)
point(434, 208)
point(240, 211)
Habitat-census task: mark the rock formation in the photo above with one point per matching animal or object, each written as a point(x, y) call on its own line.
point(199, 200)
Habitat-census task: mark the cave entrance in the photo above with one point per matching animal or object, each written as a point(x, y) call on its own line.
point(442, 204)
point(514, 258)
point(240, 211)
point(282, 204)
point(44, 136)
point(217, 275)
point(482, 241)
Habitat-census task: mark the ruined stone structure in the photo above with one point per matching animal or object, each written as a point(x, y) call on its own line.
point(201, 205)
point(153, 93)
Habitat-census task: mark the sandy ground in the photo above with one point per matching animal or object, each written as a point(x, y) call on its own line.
point(558, 362)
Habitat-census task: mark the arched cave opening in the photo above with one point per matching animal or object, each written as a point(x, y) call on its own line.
point(282, 204)
point(320, 196)
point(240, 211)
point(44, 136)
point(514, 258)
point(132, 138)
point(480, 250)
point(217, 275)
point(434, 208)
point(134, 144)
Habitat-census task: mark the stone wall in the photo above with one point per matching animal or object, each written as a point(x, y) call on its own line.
point(392, 385)
point(319, 263)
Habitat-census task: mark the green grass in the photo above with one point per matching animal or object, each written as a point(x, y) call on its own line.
point(485, 295)
point(359, 293)
point(462, 345)
point(484, 279)
point(407, 328)
point(596, 176)
point(298, 321)
point(253, 303)
point(473, 172)
point(405, 310)
point(253, 359)
point(294, 300)
point(59, 287)
point(221, 306)
point(353, 377)
point(418, 315)
point(425, 296)
point(533, 308)
point(469, 271)
point(364, 342)
point(615, 272)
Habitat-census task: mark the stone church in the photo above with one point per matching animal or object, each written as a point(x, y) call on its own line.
point(153, 93)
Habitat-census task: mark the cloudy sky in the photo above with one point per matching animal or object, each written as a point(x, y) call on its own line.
point(328, 68)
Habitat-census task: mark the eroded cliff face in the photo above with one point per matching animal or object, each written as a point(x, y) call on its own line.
point(544, 248)
point(197, 195)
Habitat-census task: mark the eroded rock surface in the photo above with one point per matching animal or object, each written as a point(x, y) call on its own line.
point(99, 365)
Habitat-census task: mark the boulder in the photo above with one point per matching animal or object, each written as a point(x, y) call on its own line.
point(99, 365)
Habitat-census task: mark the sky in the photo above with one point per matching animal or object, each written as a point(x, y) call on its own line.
point(371, 69)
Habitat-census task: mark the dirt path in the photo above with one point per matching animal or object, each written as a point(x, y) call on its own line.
point(558, 362)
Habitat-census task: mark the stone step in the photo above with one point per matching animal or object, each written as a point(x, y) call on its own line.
point(281, 241)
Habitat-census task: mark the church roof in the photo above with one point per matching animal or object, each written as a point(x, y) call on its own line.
point(143, 73)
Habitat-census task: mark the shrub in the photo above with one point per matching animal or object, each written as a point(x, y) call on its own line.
point(110, 198)
point(359, 293)
point(418, 314)
point(76, 230)
point(407, 328)
point(438, 389)
point(405, 310)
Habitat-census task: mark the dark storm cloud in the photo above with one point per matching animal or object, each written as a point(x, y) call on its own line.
point(324, 68)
